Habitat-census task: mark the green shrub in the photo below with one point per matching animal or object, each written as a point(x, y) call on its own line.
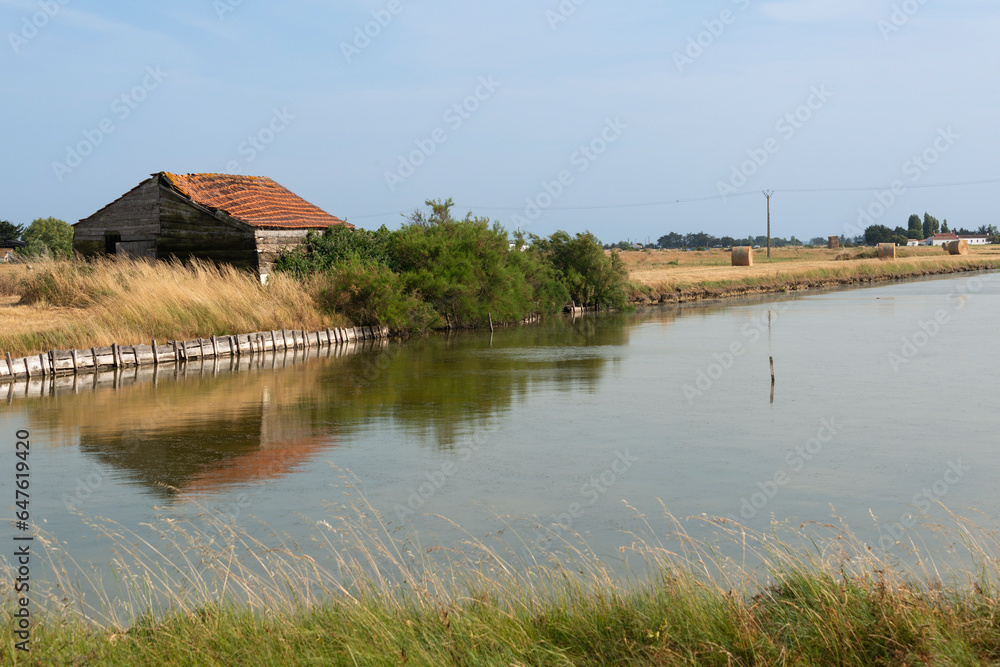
point(439, 271)
point(466, 270)
point(323, 251)
point(593, 279)
point(374, 295)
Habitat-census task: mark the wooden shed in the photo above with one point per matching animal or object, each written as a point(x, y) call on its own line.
point(241, 220)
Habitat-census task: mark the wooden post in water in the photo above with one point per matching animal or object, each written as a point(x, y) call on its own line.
point(215, 346)
point(490, 315)
point(156, 356)
point(772, 369)
point(72, 354)
point(10, 365)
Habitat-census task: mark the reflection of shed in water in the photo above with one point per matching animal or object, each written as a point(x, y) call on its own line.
point(203, 433)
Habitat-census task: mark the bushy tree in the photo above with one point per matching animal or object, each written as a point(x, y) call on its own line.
point(592, 278)
point(671, 240)
point(875, 234)
point(466, 270)
point(944, 227)
point(915, 227)
point(818, 240)
point(438, 271)
point(49, 236)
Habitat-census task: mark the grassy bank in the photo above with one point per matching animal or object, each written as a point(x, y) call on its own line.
point(71, 304)
point(435, 272)
point(819, 596)
point(676, 276)
point(68, 304)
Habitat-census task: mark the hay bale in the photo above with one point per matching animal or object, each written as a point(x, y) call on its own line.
point(742, 255)
point(833, 242)
point(959, 247)
point(887, 251)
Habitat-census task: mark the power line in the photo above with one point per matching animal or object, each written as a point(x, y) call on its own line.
point(889, 187)
point(667, 202)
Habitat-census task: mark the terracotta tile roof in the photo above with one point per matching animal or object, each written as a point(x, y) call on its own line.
point(948, 236)
point(256, 200)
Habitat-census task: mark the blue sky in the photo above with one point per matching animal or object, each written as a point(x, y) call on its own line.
point(543, 115)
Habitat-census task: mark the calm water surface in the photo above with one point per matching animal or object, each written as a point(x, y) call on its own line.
point(885, 400)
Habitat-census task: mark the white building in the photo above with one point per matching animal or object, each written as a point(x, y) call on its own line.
point(971, 239)
point(941, 239)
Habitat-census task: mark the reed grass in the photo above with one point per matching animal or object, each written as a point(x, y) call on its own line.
point(71, 304)
point(205, 592)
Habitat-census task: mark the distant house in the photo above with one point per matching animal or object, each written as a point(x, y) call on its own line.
point(941, 238)
point(912, 242)
point(7, 248)
point(241, 220)
point(971, 239)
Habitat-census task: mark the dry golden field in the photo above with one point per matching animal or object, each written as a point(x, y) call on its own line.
point(680, 275)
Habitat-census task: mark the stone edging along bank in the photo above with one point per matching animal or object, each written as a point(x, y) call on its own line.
point(64, 362)
point(790, 283)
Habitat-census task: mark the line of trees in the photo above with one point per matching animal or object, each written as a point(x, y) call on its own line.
point(673, 240)
point(922, 228)
point(44, 237)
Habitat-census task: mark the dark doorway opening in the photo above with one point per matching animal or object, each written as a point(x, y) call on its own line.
point(110, 242)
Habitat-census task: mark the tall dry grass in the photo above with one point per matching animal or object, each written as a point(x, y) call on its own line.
point(72, 304)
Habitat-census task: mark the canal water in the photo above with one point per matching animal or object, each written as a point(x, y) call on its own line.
point(884, 402)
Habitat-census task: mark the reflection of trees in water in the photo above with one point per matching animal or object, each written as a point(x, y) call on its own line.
point(205, 432)
point(443, 387)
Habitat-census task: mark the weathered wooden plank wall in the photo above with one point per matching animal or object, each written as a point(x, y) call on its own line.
point(135, 216)
point(66, 362)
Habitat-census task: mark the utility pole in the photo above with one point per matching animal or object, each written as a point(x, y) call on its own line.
point(768, 193)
